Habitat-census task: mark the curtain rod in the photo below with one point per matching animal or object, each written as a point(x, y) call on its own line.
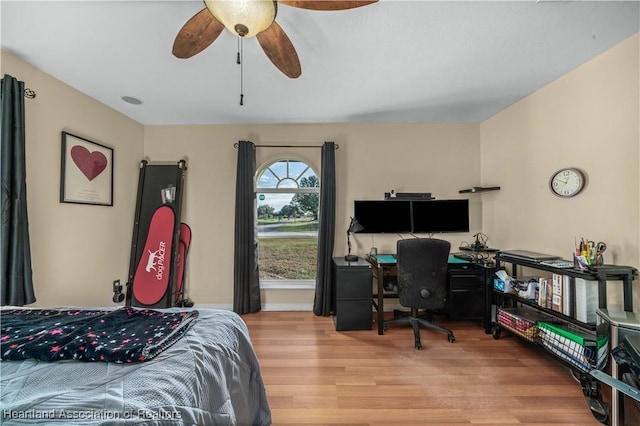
point(235, 145)
point(27, 93)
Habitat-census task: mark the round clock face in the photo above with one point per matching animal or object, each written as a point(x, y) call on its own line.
point(567, 182)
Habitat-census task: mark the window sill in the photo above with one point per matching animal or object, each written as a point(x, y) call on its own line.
point(287, 285)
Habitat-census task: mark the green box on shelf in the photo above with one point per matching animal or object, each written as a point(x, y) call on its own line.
point(580, 349)
point(574, 335)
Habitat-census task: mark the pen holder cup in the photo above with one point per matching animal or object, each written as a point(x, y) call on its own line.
point(580, 262)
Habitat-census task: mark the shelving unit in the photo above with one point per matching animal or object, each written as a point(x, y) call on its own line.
point(574, 343)
point(601, 274)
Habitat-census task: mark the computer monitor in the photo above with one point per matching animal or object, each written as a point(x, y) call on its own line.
point(440, 216)
point(377, 216)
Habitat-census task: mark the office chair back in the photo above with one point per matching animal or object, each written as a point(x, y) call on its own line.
point(422, 272)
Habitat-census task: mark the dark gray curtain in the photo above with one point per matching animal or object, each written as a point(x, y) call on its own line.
point(246, 283)
point(323, 302)
point(16, 287)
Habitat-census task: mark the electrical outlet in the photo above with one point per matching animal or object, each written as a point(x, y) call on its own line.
point(117, 286)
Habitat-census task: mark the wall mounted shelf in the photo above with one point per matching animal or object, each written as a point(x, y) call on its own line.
point(479, 189)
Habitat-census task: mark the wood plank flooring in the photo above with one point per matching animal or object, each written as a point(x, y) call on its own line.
point(315, 375)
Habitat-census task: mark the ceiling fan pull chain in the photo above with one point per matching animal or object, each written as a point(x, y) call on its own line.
point(240, 61)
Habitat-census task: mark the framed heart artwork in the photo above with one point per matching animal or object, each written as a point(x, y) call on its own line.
point(86, 171)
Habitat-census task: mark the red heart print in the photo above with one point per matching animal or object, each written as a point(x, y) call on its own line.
point(91, 164)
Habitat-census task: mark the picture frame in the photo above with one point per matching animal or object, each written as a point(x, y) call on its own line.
point(86, 171)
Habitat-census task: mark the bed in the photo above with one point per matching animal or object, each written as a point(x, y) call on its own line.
point(208, 375)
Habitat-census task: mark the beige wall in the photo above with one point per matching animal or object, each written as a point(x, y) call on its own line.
point(77, 250)
point(586, 119)
point(371, 160)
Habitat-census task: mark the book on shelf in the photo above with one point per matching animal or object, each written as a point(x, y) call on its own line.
point(545, 293)
point(566, 300)
point(542, 292)
point(586, 300)
point(557, 293)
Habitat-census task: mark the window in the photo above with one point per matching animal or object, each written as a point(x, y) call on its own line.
point(288, 194)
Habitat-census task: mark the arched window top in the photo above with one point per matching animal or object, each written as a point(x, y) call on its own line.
point(287, 174)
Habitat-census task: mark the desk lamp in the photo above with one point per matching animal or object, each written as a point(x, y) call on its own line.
point(354, 226)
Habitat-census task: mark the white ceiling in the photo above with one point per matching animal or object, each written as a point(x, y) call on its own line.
point(392, 61)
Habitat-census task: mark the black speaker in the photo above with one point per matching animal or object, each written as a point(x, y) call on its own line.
point(118, 295)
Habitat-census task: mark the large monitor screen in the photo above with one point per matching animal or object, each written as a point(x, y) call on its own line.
point(383, 216)
point(441, 216)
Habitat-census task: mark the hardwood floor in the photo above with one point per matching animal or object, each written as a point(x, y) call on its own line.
point(315, 375)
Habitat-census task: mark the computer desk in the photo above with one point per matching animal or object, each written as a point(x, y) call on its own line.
point(380, 262)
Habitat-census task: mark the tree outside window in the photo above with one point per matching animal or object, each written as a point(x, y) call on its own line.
point(288, 194)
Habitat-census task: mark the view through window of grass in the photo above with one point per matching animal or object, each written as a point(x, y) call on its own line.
point(288, 195)
point(285, 256)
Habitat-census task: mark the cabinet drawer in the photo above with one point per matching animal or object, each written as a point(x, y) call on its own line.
point(467, 293)
point(353, 315)
point(467, 304)
point(353, 283)
point(460, 279)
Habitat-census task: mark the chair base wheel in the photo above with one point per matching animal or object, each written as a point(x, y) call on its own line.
point(416, 322)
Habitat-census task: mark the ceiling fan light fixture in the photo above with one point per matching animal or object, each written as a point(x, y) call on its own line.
point(131, 100)
point(245, 18)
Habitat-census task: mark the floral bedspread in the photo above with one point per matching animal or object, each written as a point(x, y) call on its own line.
point(124, 335)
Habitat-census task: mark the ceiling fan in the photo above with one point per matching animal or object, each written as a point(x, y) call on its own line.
point(248, 18)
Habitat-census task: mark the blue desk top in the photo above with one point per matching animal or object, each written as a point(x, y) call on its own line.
point(385, 258)
point(390, 259)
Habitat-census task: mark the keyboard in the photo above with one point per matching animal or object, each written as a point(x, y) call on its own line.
point(464, 256)
point(558, 263)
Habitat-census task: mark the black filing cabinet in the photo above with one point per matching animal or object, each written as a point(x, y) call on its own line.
point(352, 285)
point(467, 292)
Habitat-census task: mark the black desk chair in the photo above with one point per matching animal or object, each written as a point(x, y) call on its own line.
point(422, 282)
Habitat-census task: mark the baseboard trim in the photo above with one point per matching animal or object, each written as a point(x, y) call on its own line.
point(265, 307)
point(284, 307)
point(224, 307)
point(287, 307)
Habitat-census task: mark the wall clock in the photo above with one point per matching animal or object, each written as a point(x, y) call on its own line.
point(567, 182)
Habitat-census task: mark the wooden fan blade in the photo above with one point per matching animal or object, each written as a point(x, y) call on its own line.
point(280, 51)
point(326, 4)
point(197, 34)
